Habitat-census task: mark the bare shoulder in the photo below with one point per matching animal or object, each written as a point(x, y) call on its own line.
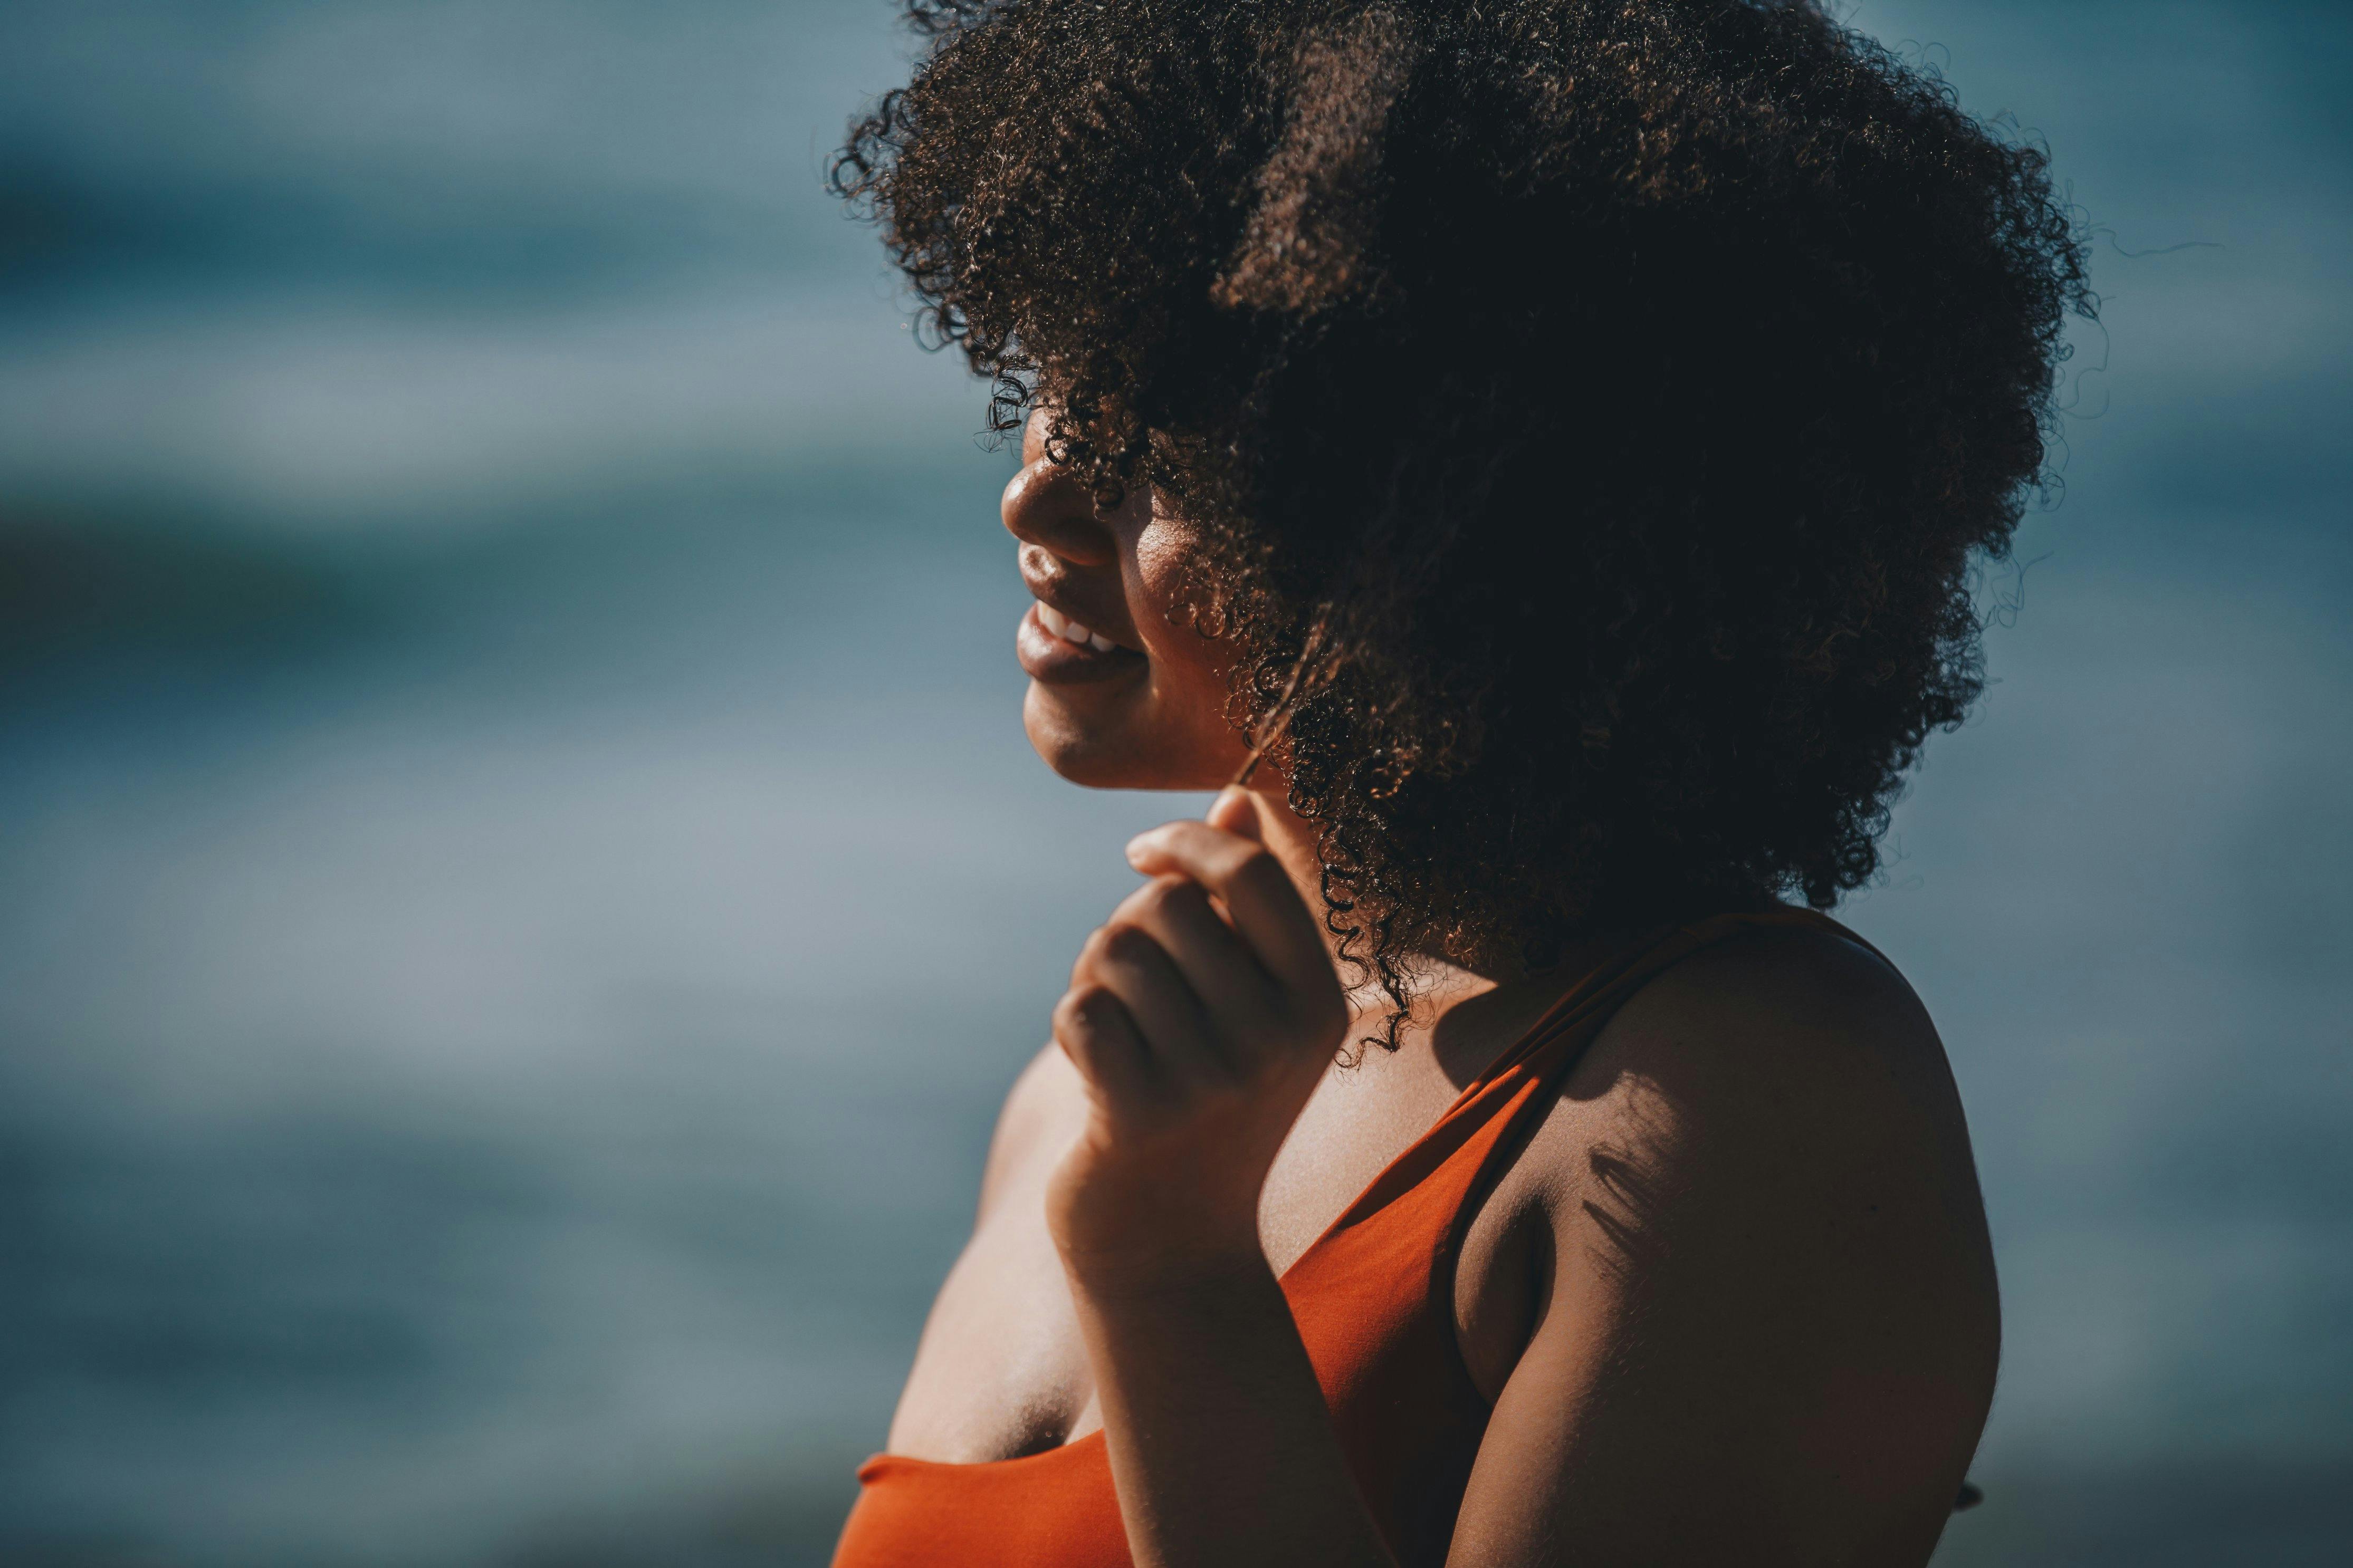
point(1042, 1112)
point(1796, 983)
point(1786, 1090)
point(1792, 1057)
point(1770, 1301)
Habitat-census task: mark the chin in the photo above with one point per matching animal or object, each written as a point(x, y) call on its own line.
point(1116, 748)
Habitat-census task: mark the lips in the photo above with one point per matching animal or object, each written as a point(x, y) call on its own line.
point(1060, 651)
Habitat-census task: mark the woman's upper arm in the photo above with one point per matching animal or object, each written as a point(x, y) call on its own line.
point(1041, 1113)
point(1770, 1328)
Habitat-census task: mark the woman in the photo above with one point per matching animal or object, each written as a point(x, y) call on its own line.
point(1535, 452)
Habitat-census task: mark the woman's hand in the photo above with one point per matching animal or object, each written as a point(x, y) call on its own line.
point(1201, 1015)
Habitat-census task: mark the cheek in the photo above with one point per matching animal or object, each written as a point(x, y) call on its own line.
point(1158, 590)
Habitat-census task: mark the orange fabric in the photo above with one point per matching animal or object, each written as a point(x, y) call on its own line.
point(1374, 1302)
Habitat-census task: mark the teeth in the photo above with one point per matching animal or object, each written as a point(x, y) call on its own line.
point(1070, 631)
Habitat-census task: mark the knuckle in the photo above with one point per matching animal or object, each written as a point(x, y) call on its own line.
point(1259, 871)
point(1158, 898)
point(1181, 899)
point(1090, 1007)
point(1128, 945)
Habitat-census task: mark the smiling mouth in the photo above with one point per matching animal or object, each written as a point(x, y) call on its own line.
point(1070, 631)
point(1060, 651)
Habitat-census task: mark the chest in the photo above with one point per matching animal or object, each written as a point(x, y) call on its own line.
point(1001, 1370)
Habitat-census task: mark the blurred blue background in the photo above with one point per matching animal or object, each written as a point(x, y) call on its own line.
point(524, 884)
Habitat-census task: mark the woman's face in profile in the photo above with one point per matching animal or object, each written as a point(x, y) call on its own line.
point(1123, 693)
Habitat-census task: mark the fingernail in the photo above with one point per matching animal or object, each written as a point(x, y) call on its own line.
point(1135, 848)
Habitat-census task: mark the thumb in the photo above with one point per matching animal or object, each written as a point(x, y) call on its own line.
point(1235, 811)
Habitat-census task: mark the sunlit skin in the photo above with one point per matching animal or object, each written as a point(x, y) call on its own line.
point(1770, 1338)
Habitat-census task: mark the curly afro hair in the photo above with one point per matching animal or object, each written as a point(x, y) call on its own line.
point(1592, 412)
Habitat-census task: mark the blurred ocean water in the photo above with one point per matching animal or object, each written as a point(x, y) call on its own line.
point(524, 884)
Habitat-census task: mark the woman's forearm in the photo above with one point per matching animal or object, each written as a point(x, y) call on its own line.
point(1202, 1017)
point(1221, 1445)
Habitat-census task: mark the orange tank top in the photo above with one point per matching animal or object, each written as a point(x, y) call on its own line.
point(1374, 1301)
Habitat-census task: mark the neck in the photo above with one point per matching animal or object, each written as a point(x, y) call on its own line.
point(1292, 838)
point(1438, 983)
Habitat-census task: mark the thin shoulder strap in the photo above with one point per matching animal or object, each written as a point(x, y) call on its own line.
point(1504, 1105)
point(1485, 1122)
point(1553, 1044)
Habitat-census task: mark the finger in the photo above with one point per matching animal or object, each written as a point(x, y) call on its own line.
point(1257, 892)
point(1243, 1000)
point(1236, 811)
point(1094, 1029)
point(1125, 960)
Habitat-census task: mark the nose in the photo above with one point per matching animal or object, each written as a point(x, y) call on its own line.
point(1046, 505)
